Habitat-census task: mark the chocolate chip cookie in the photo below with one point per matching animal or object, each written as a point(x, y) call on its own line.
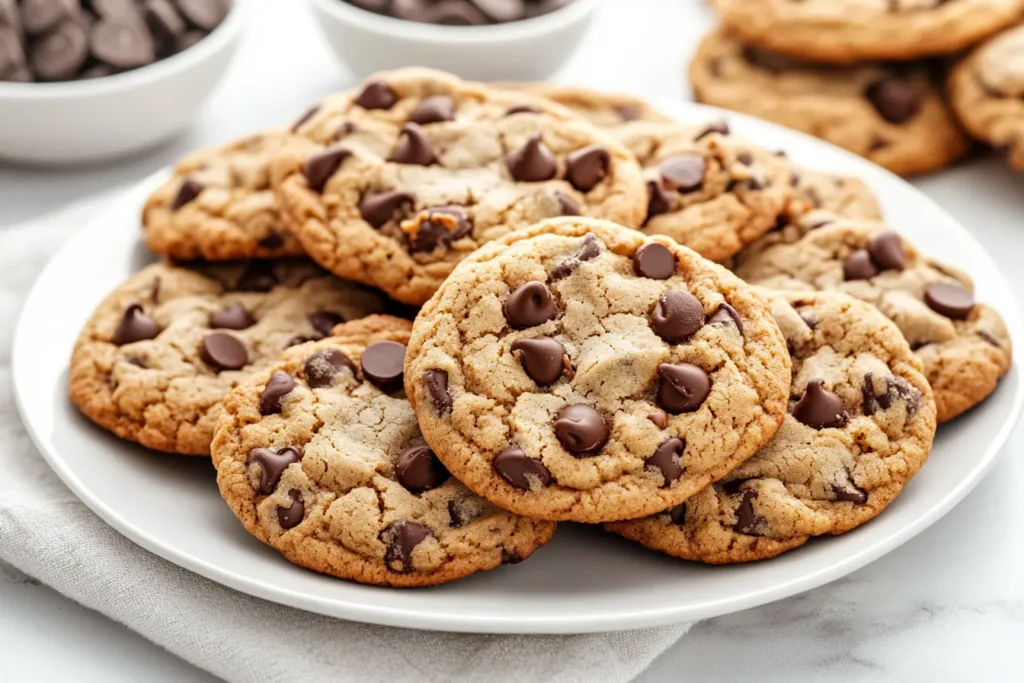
point(406, 176)
point(603, 109)
point(987, 93)
point(846, 31)
point(578, 370)
point(706, 189)
point(892, 114)
point(158, 355)
point(964, 345)
point(219, 206)
point(320, 457)
point(838, 194)
point(860, 424)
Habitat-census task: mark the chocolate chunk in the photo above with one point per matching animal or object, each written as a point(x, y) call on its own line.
point(401, 538)
point(666, 460)
point(850, 495)
point(520, 470)
point(59, 55)
point(257, 276)
point(458, 514)
point(522, 109)
point(203, 14)
point(272, 240)
point(272, 464)
point(436, 383)
point(586, 167)
point(542, 358)
point(376, 95)
point(319, 168)
point(510, 556)
point(189, 190)
point(820, 408)
point(588, 251)
point(161, 17)
point(446, 12)
point(746, 519)
point(726, 315)
point(380, 207)
point(581, 430)
point(720, 127)
point(683, 172)
point(290, 517)
point(419, 470)
point(682, 388)
point(655, 261)
point(298, 339)
point(896, 389)
point(322, 366)
point(677, 514)
point(529, 305)
point(122, 45)
point(678, 316)
point(40, 16)
point(313, 111)
point(533, 162)
point(895, 100)
point(382, 364)
point(234, 317)
point(658, 200)
point(439, 226)
point(659, 417)
point(278, 386)
point(223, 351)
point(952, 301)
point(135, 326)
point(886, 251)
point(413, 147)
point(858, 266)
point(324, 322)
point(434, 109)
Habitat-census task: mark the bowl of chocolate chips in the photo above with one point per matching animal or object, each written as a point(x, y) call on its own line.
point(475, 39)
point(87, 80)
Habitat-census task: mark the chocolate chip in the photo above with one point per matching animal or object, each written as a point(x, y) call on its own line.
point(851, 495)
point(666, 460)
point(413, 147)
point(322, 366)
point(952, 301)
point(858, 266)
point(886, 251)
point(382, 364)
point(501, 10)
point(677, 514)
point(566, 204)
point(520, 470)
point(683, 172)
point(894, 99)
point(223, 351)
point(820, 408)
point(234, 317)
point(272, 465)
point(436, 383)
point(510, 556)
point(581, 430)
point(290, 517)
point(324, 322)
point(990, 338)
point(678, 316)
point(59, 54)
point(896, 388)
point(344, 130)
point(458, 515)
point(313, 111)
point(658, 200)
point(298, 339)
point(588, 251)
point(586, 167)
point(720, 127)
point(655, 261)
point(278, 386)
point(257, 276)
point(746, 519)
point(745, 158)
point(522, 109)
point(419, 470)
point(530, 305)
point(122, 45)
point(161, 17)
point(39, 16)
point(376, 95)
point(272, 240)
point(434, 109)
point(682, 388)
point(380, 207)
point(877, 142)
point(659, 417)
point(726, 315)
point(319, 168)
point(439, 226)
point(204, 14)
point(533, 162)
point(189, 190)
point(401, 538)
point(542, 358)
point(135, 326)
point(627, 113)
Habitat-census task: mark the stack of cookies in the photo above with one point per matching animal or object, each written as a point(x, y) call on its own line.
point(895, 81)
point(578, 352)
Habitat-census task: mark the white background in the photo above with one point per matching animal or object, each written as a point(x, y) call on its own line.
point(949, 605)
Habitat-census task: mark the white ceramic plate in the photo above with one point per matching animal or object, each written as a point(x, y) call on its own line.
point(584, 580)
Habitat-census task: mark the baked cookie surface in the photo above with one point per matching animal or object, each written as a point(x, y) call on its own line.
point(320, 457)
point(579, 370)
point(603, 109)
point(860, 425)
point(842, 195)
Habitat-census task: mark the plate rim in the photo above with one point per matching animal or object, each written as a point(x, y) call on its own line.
point(546, 624)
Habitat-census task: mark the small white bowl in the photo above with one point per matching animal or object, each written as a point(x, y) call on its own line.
point(526, 50)
point(85, 121)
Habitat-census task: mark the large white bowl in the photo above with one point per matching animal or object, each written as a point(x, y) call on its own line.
point(528, 50)
point(92, 120)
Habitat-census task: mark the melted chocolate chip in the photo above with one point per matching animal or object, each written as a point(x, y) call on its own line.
point(529, 305)
point(257, 276)
point(820, 408)
point(401, 538)
point(189, 190)
point(436, 383)
point(522, 109)
point(581, 430)
point(588, 251)
point(319, 168)
point(720, 127)
point(419, 470)
point(666, 460)
point(850, 495)
point(290, 517)
point(746, 519)
point(278, 386)
point(305, 118)
point(380, 207)
point(439, 226)
point(895, 100)
point(677, 317)
point(135, 326)
point(677, 514)
point(234, 317)
point(520, 470)
point(683, 172)
point(659, 417)
point(952, 301)
point(272, 465)
point(543, 358)
point(682, 387)
point(727, 315)
point(322, 366)
point(659, 201)
point(324, 322)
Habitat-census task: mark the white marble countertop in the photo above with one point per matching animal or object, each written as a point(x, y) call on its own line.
point(947, 606)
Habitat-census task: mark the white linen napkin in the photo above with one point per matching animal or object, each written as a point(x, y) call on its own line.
point(48, 534)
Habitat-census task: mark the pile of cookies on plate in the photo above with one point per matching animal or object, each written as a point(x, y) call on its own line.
point(578, 351)
point(896, 81)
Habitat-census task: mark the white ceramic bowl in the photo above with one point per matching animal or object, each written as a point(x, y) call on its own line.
point(526, 50)
point(85, 121)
